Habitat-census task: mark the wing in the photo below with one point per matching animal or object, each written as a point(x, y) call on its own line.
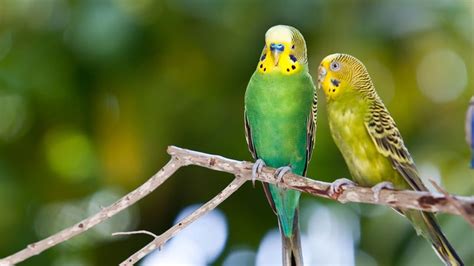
point(388, 140)
point(248, 137)
point(311, 130)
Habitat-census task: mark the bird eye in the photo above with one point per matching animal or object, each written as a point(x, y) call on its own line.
point(335, 66)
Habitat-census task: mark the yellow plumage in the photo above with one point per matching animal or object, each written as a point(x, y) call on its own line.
point(370, 141)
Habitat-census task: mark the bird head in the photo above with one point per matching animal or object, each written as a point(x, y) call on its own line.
point(340, 74)
point(284, 51)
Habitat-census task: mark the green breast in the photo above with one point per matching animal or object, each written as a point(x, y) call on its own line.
point(278, 107)
point(366, 164)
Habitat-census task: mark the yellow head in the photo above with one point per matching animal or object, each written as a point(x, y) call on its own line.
point(342, 73)
point(284, 51)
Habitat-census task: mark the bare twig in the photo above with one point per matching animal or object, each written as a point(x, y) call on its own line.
point(107, 212)
point(143, 232)
point(431, 202)
point(158, 242)
point(450, 198)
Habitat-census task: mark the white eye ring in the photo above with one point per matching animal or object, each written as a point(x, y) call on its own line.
point(335, 66)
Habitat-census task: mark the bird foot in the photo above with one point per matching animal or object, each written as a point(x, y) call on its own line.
point(336, 188)
point(280, 172)
point(257, 169)
point(378, 188)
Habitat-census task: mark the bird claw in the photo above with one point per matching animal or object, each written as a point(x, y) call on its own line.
point(257, 169)
point(378, 188)
point(336, 187)
point(280, 172)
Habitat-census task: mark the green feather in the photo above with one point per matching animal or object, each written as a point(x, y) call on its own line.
point(277, 109)
point(280, 124)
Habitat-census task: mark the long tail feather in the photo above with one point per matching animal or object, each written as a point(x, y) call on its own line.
point(428, 227)
point(291, 246)
point(440, 244)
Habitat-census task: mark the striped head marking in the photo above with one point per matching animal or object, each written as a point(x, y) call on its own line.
point(341, 72)
point(284, 51)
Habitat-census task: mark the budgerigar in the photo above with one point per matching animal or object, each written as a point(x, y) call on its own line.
point(280, 123)
point(370, 142)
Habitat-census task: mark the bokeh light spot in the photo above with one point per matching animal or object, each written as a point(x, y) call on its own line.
point(209, 232)
point(442, 75)
point(240, 257)
point(124, 221)
point(269, 251)
point(333, 232)
point(69, 154)
point(101, 32)
point(56, 216)
point(202, 241)
point(172, 254)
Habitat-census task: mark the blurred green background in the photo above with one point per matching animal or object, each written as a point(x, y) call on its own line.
point(92, 92)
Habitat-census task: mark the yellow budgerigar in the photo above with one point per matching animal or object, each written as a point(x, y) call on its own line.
point(370, 142)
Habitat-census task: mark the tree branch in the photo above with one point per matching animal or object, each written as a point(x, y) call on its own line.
point(107, 212)
point(159, 241)
point(426, 201)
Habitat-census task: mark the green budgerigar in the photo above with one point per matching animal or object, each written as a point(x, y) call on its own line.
point(370, 142)
point(280, 123)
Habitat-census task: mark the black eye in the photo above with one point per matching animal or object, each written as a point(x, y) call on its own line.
point(335, 66)
point(293, 46)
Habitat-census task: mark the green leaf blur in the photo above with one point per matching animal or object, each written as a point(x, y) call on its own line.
point(92, 93)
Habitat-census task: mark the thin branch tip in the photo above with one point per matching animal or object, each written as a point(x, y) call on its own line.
point(144, 232)
point(170, 149)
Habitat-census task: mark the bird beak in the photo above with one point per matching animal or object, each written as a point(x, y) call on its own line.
point(276, 56)
point(276, 49)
